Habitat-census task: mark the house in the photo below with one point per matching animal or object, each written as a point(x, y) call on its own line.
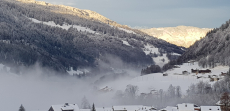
point(210, 108)
point(188, 107)
point(133, 108)
point(194, 71)
point(100, 109)
point(64, 107)
point(165, 74)
point(201, 71)
point(205, 71)
point(191, 62)
point(154, 92)
point(214, 79)
point(169, 108)
point(223, 74)
point(105, 89)
point(185, 72)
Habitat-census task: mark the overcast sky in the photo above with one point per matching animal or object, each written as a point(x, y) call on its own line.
point(157, 13)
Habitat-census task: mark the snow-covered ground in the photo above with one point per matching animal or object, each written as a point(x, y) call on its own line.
point(64, 26)
point(128, 31)
point(160, 60)
point(126, 43)
point(72, 72)
point(78, 72)
point(150, 49)
point(157, 81)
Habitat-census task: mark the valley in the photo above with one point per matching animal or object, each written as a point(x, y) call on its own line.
point(56, 54)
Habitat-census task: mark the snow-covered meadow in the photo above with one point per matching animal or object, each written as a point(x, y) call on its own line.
point(32, 86)
point(64, 26)
point(157, 81)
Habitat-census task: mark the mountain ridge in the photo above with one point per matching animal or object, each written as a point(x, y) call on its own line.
point(84, 13)
point(181, 35)
point(211, 50)
point(35, 33)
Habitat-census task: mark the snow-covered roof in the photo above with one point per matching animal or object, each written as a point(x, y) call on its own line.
point(87, 109)
point(170, 108)
point(219, 103)
point(186, 107)
point(210, 108)
point(130, 107)
point(65, 107)
point(104, 109)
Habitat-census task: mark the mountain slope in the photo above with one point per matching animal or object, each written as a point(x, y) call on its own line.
point(212, 49)
point(40, 32)
point(181, 35)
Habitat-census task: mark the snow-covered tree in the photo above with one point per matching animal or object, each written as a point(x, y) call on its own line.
point(131, 91)
point(178, 92)
point(171, 91)
point(85, 103)
point(21, 108)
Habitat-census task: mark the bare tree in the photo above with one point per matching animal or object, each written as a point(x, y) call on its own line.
point(225, 100)
point(131, 91)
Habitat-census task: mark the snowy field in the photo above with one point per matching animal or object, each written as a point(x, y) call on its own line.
point(157, 81)
point(64, 26)
point(160, 60)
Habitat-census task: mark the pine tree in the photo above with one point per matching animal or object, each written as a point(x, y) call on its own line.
point(21, 108)
point(85, 104)
point(93, 108)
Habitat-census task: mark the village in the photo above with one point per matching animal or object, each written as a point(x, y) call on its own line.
point(178, 107)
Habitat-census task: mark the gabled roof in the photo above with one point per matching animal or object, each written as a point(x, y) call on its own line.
point(169, 108)
point(132, 107)
point(65, 107)
point(186, 107)
point(210, 108)
point(219, 103)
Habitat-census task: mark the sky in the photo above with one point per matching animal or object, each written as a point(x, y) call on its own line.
point(157, 13)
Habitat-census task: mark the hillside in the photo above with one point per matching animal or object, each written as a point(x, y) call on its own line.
point(213, 49)
point(181, 35)
point(38, 32)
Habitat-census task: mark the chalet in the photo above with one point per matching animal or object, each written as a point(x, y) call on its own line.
point(105, 89)
point(191, 62)
point(188, 107)
point(185, 72)
point(169, 108)
point(210, 108)
point(65, 107)
point(154, 92)
point(133, 108)
point(165, 74)
point(213, 78)
point(223, 74)
point(205, 71)
point(194, 71)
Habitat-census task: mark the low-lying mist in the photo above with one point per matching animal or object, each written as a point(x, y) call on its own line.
point(38, 88)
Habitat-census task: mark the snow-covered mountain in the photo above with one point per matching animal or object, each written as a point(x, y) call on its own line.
point(66, 39)
point(213, 49)
point(86, 14)
point(181, 35)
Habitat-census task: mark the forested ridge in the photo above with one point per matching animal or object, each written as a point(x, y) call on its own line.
point(211, 50)
point(23, 42)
